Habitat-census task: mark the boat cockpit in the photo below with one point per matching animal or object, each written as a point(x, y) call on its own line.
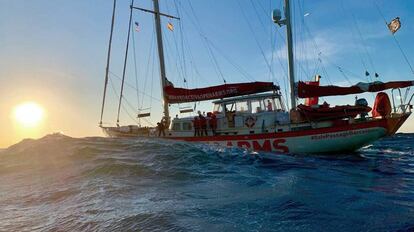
point(243, 114)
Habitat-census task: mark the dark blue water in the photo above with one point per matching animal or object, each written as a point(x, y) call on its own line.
point(100, 184)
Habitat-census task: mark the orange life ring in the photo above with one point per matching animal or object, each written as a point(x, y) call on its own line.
point(250, 122)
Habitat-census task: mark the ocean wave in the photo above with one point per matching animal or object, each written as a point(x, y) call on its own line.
point(64, 183)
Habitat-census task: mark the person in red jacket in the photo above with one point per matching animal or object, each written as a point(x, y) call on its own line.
point(212, 122)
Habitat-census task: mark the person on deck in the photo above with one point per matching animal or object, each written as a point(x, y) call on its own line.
point(196, 125)
point(269, 106)
point(161, 129)
point(203, 124)
point(212, 122)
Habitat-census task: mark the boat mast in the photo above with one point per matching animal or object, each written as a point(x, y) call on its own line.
point(107, 63)
point(290, 55)
point(164, 82)
point(161, 59)
point(125, 63)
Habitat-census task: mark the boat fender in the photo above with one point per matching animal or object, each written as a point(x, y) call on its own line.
point(382, 105)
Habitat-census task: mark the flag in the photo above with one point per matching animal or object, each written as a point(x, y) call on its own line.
point(170, 26)
point(394, 25)
point(137, 27)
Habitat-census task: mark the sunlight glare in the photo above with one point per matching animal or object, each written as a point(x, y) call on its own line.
point(28, 114)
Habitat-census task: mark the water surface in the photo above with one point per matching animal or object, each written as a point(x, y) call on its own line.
point(103, 184)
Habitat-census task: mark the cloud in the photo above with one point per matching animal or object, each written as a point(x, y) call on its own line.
point(329, 44)
point(310, 49)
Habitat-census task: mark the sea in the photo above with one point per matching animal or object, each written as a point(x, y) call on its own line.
point(60, 183)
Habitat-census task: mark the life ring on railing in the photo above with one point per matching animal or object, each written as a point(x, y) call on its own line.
point(250, 122)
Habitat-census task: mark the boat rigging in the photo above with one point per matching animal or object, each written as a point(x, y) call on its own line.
point(252, 115)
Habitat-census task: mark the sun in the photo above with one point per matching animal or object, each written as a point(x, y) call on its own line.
point(28, 114)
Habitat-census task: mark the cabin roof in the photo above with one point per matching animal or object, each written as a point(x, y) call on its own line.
point(247, 97)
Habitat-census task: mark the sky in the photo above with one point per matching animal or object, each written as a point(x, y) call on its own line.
point(54, 53)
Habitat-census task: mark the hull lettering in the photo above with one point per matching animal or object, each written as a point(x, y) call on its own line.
point(277, 145)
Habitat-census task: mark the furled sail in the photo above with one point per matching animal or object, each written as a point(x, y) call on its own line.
point(180, 95)
point(306, 90)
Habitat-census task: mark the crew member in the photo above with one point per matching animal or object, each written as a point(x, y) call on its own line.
point(203, 124)
point(269, 106)
point(212, 122)
point(196, 125)
point(161, 129)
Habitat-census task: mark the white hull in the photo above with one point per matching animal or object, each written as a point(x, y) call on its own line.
point(320, 140)
point(318, 143)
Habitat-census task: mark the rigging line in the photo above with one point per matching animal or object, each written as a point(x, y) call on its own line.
point(299, 50)
point(181, 25)
point(325, 73)
point(263, 8)
point(316, 47)
point(264, 29)
point(284, 43)
point(295, 36)
point(395, 38)
point(304, 44)
point(116, 96)
point(272, 46)
point(194, 65)
point(178, 62)
point(215, 62)
point(171, 61)
point(133, 87)
point(346, 77)
point(186, 42)
point(206, 45)
point(283, 69)
point(278, 56)
point(180, 59)
point(363, 43)
point(125, 61)
point(258, 15)
point(403, 53)
point(152, 80)
point(150, 53)
point(129, 114)
point(211, 55)
point(355, 42)
point(319, 52)
point(257, 41)
point(342, 69)
point(108, 61)
point(238, 68)
point(135, 66)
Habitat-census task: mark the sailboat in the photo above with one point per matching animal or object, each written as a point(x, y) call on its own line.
point(253, 115)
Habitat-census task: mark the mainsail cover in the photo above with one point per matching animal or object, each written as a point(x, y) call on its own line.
point(305, 90)
point(180, 95)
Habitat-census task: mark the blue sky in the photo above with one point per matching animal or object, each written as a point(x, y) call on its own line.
point(54, 52)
